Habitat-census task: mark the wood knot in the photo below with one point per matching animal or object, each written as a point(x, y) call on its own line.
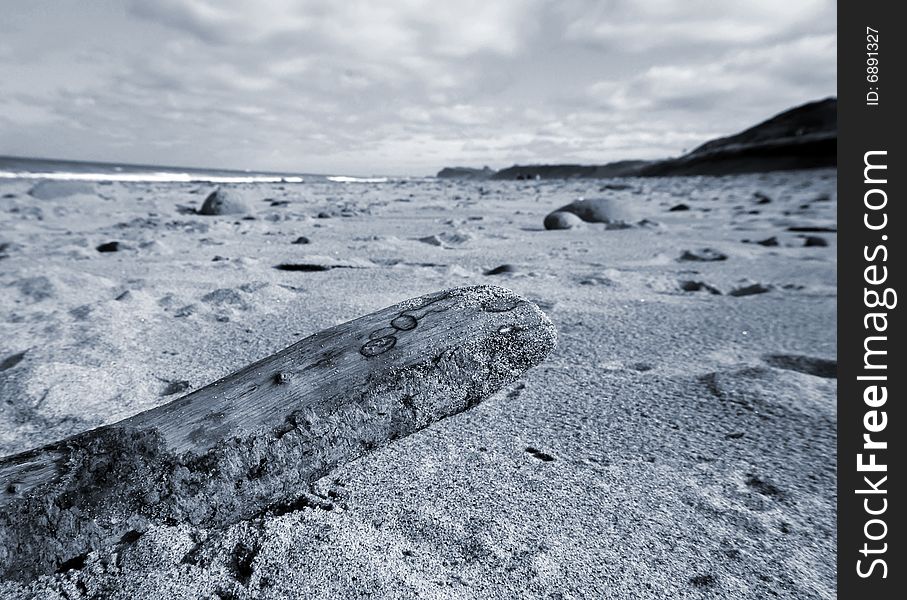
point(404, 322)
point(378, 346)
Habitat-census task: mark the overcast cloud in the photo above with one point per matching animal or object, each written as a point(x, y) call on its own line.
point(402, 87)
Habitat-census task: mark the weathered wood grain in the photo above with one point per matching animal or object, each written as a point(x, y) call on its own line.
point(257, 439)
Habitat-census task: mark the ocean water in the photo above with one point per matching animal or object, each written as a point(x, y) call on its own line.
point(68, 170)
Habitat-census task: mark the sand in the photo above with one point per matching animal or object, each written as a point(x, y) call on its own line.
point(680, 442)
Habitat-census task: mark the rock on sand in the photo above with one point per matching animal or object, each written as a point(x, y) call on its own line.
point(561, 219)
point(224, 202)
point(614, 213)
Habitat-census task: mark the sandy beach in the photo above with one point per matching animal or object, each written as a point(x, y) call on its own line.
point(679, 443)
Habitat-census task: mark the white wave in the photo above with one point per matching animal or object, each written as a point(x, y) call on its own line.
point(347, 179)
point(157, 177)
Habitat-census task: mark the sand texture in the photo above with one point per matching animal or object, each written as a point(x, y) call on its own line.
point(678, 443)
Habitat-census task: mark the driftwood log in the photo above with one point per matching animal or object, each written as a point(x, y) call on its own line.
point(256, 440)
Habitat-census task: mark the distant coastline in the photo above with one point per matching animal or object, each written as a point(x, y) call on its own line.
point(803, 137)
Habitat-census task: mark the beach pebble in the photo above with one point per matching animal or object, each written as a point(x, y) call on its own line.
point(108, 247)
point(679, 207)
point(560, 219)
point(302, 240)
point(750, 289)
point(51, 190)
point(614, 213)
point(769, 242)
point(223, 202)
point(703, 255)
point(814, 241)
point(761, 198)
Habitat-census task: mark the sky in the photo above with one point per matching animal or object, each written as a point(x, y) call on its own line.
point(400, 87)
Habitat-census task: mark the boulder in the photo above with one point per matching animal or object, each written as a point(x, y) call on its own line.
point(224, 202)
point(561, 219)
point(616, 214)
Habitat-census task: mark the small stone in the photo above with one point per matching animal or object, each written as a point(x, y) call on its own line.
point(109, 247)
point(302, 240)
point(679, 207)
point(814, 241)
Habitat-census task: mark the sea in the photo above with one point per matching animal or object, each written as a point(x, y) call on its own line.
point(12, 167)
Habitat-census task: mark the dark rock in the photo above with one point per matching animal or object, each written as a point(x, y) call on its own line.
point(109, 247)
point(814, 241)
point(679, 207)
point(302, 240)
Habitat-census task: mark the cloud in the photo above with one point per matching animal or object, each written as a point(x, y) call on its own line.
point(363, 27)
point(752, 78)
point(402, 87)
point(628, 25)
